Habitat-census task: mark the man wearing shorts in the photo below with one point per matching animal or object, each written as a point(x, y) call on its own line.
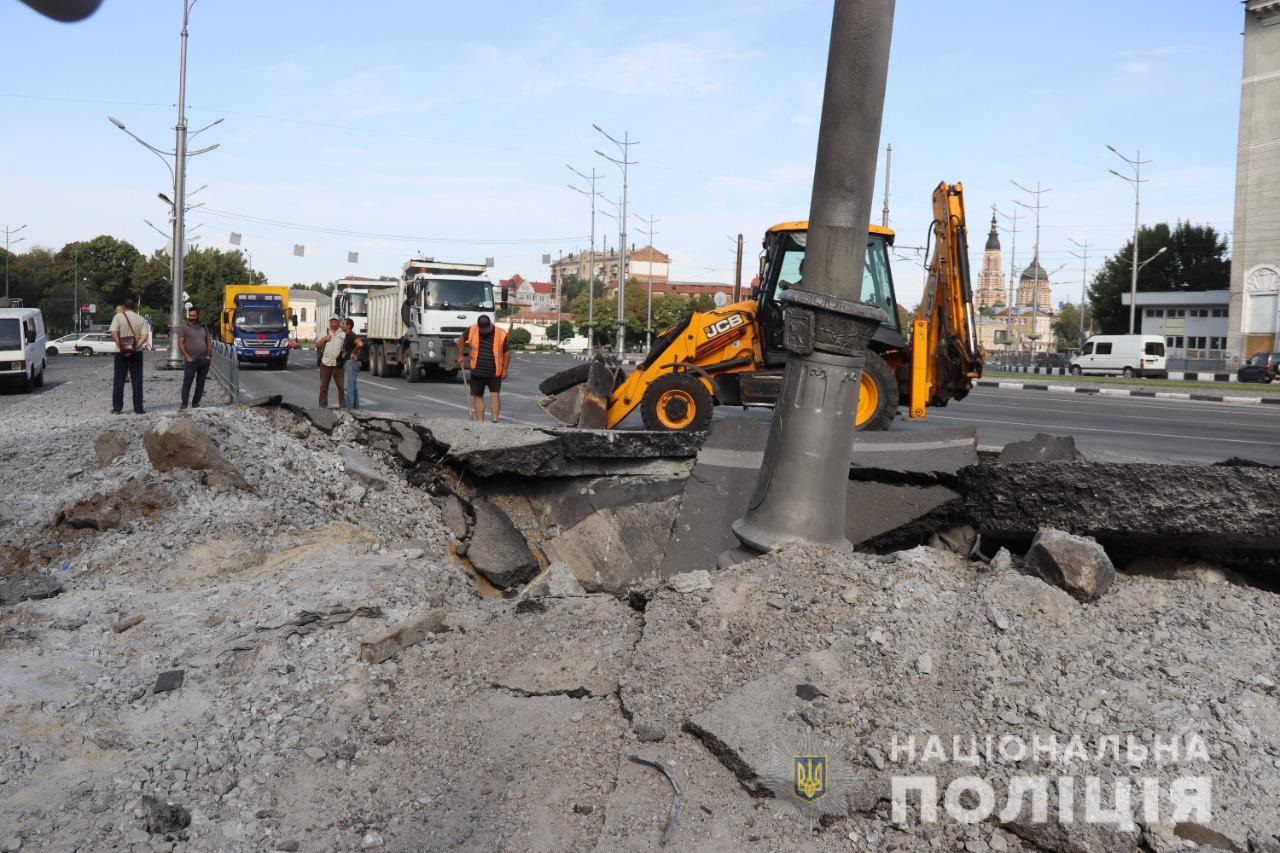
point(487, 355)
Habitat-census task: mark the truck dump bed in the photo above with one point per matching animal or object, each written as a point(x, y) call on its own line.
point(385, 322)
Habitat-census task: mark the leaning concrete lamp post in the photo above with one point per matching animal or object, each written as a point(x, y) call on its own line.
point(803, 484)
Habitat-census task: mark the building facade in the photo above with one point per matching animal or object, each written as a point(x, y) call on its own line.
point(1194, 324)
point(990, 292)
point(312, 309)
point(1034, 289)
point(640, 263)
point(1255, 257)
point(534, 295)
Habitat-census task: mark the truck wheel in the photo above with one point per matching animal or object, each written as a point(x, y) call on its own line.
point(413, 372)
point(39, 380)
point(676, 402)
point(1128, 373)
point(877, 396)
point(375, 360)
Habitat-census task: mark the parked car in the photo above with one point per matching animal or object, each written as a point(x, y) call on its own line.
point(1261, 367)
point(96, 343)
point(65, 345)
point(1127, 355)
point(1051, 359)
point(575, 344)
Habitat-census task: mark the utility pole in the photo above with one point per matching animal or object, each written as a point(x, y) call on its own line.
point(8, 235)
point(1035, 261)
point(648, 323)
point(1013, 271)
point(178, 171)
point(624, 145)
point(802, 488)
point(888, 163)
point(737, 273)
point(591, 263)
point(1083, 255)
point(1136, 182)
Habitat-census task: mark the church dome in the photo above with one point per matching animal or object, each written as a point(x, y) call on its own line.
point(1035, 272)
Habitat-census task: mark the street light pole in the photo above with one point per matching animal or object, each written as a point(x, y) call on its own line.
point(8, 234)
point(803, 485)
point(648, 323)
point(1136, 182)
point(1035, 272)
point(591, 263)
point(1083, 255)
point(1013, 276)
point(178, 170)
point(624, 145)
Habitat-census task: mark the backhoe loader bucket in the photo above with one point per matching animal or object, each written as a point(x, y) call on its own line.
point(584, 403)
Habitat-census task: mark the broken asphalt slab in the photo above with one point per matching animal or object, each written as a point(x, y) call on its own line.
point(1127, 504)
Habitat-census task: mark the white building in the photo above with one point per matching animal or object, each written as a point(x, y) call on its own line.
point(312, 310)
point(1194, 324)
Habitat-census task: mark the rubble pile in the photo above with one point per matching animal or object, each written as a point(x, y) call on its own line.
point(265, 628)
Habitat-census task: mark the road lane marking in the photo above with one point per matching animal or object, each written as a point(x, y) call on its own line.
point(1136, 403)
point(1214, 424)
point(468, 408)
point(1128, 432)
point(379, 384)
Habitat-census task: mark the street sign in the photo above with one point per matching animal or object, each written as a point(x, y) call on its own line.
point(93, 308)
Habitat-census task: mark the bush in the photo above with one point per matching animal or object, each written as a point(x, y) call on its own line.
point(520, 337)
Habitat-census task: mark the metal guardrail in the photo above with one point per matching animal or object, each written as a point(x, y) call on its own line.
point(225, 368)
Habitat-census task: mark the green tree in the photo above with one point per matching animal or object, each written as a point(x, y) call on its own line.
point(1066, 327)
point(520, 337)
point(107, 264)
point(208, 271)
point(1195, 260)
point(560, 330)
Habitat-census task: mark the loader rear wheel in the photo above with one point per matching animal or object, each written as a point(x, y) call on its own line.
point(676, 402)
point(877, 395)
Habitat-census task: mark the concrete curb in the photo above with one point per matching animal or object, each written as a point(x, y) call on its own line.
point(1175, 375)
point(1126, 392)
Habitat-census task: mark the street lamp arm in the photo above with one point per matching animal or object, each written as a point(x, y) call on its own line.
point(206, 127)
point(203, 150)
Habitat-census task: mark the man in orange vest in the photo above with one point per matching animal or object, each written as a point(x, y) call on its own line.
point(487, 355)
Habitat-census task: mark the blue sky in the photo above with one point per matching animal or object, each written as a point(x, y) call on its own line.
point(450, 124)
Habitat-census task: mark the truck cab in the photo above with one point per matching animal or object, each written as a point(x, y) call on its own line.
point(256, 321)
point(444, 307)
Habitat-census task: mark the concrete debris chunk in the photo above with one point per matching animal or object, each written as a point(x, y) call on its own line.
point(384, 645)
point(1077, 564)
point(556, 581)
point(109, 447)
point(454, 515)
point(108, 511)
point(361, 467)
point(498, 550)
point(1174, 569)
point(167, 681)
point(617, 548)
point(182, 443)
point(162, 818)
point(325, 420)
point(1002, 561)
point(688, 582)
point(1040, 448)
point(410, 444)
point(27, 586)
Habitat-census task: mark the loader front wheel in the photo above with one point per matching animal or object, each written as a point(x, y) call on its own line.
point(676, 402)
point(877, 395)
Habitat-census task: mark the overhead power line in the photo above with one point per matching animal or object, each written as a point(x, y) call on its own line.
point(370, 235)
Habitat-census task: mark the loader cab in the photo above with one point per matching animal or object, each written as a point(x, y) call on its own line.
point(783, 267)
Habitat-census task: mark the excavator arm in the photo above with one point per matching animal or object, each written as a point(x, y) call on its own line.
point(945, 355)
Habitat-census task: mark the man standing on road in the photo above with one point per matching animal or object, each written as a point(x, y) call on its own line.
point(197, 353)
point(349, 359)
point(487, 355)
point(129, 331)
point(330, 347)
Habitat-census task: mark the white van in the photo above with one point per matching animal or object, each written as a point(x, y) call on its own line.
point(22, 347)
point(1126, 355)
point(574, 344)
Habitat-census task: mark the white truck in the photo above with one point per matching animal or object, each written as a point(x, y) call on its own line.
point(414, 326)
point(351, 299)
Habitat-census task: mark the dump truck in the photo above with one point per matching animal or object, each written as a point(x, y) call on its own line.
point(735, 356)
point(414, 326)
point(351, 300)
point(256, 321)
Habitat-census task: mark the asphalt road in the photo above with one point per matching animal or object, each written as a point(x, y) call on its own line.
point(1111, 428)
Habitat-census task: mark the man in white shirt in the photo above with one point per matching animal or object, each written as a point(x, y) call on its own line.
point(131, 334)
point(330, 346)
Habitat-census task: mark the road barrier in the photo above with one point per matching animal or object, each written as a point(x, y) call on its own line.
point(225, 368)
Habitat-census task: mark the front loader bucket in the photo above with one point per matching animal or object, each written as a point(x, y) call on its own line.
point(583, 405)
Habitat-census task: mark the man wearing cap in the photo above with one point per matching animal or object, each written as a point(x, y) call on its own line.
point(330, 347)
point(487, 355)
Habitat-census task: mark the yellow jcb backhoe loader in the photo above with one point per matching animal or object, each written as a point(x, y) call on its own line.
point(734, 355)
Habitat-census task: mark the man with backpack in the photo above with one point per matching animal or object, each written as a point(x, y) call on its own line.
point(129, 331)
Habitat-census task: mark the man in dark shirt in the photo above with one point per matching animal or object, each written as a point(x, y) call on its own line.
point(486, 353)
point(197, 353)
